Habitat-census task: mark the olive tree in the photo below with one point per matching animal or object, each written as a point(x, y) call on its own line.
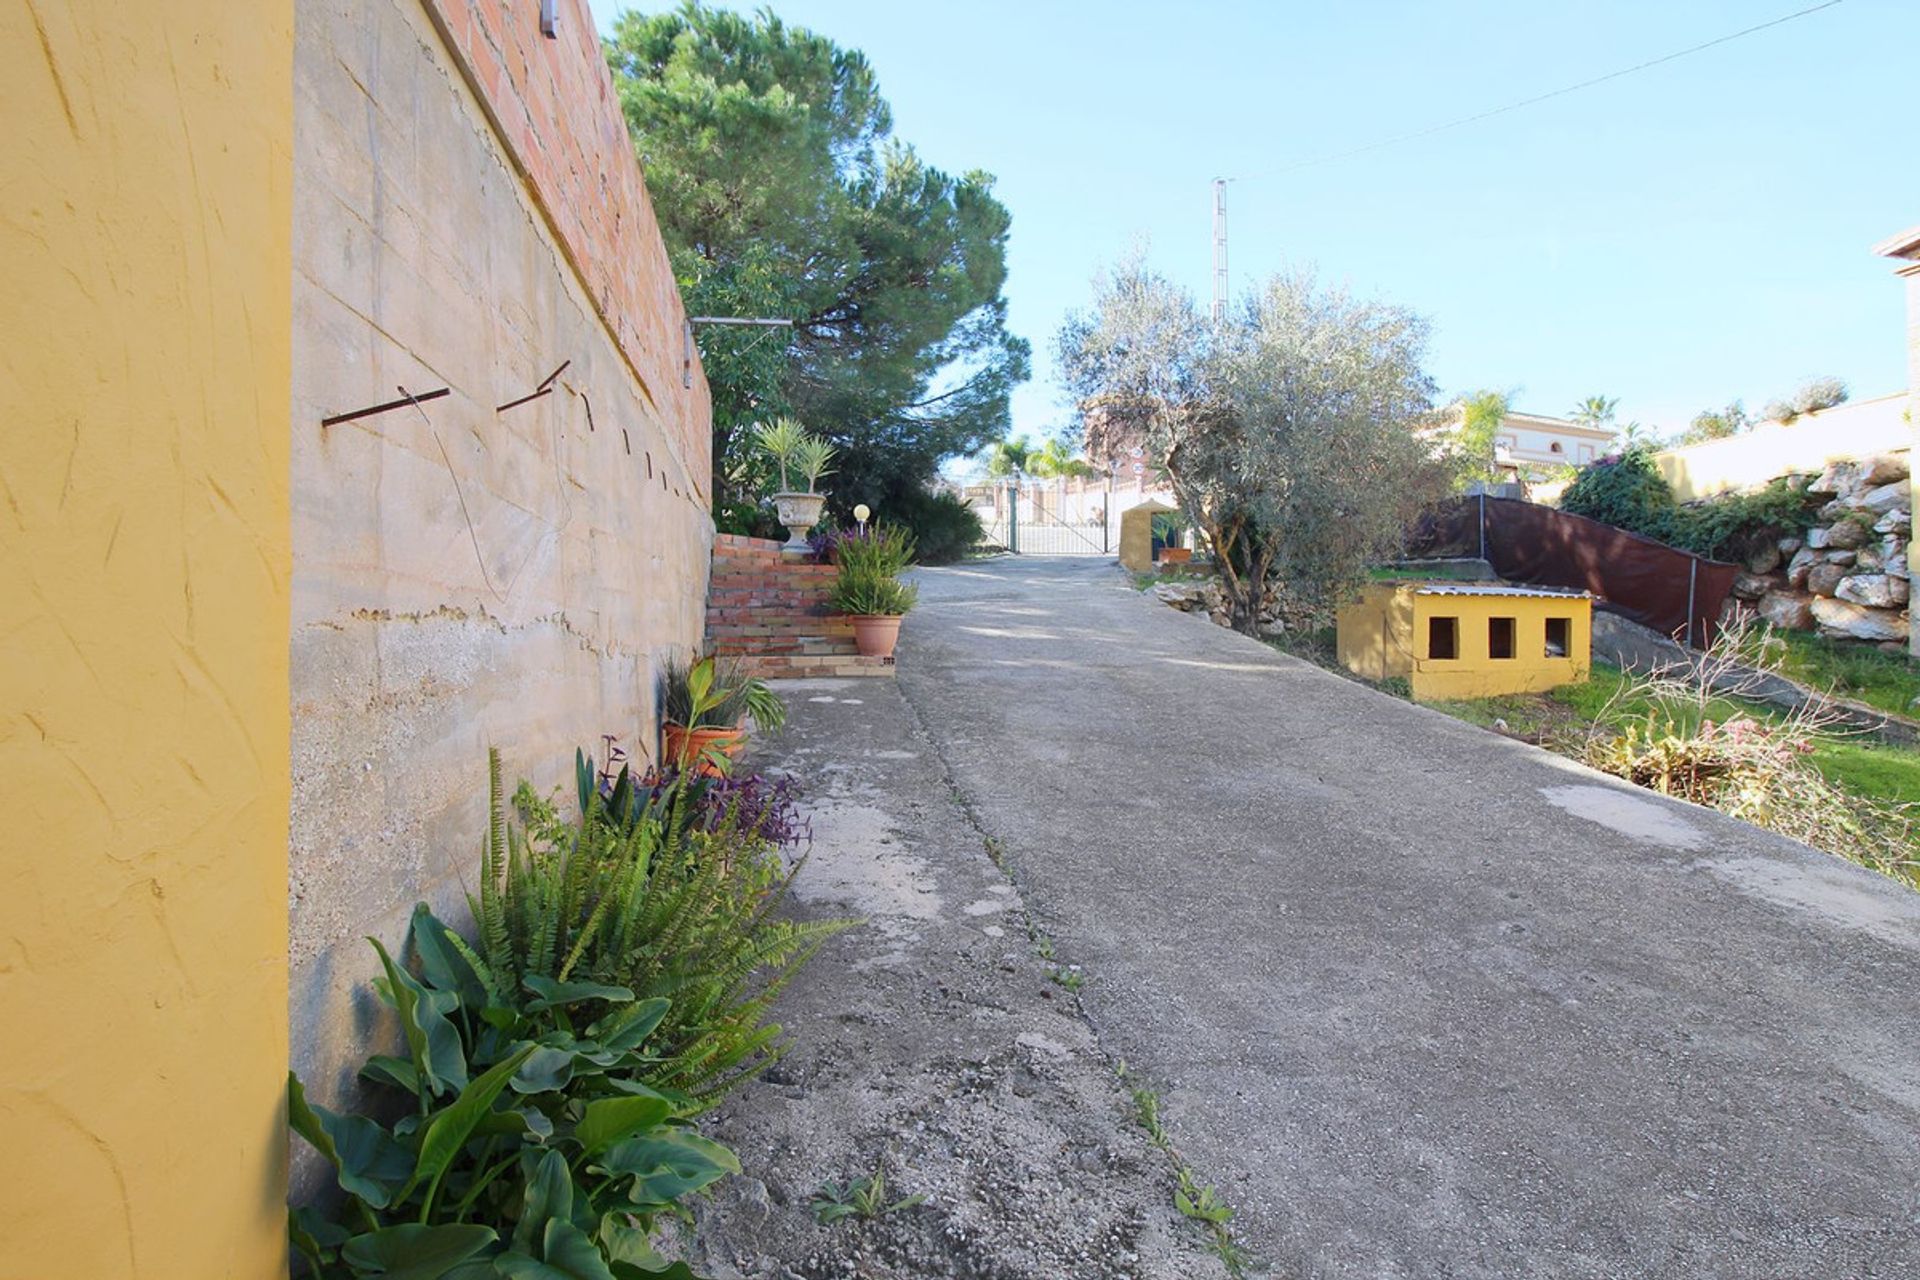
point(1288, 432)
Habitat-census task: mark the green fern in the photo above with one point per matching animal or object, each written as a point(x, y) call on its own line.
point(640, 901)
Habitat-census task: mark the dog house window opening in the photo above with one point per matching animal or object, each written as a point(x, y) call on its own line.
point(1500, 638)
point(1559, 637)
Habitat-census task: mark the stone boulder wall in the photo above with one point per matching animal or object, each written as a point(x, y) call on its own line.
point(1205, 595)
point(1848, 578)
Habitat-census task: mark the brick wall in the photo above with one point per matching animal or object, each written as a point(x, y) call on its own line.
point(772, 614)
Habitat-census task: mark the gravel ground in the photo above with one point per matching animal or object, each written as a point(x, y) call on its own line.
point(933, 1043)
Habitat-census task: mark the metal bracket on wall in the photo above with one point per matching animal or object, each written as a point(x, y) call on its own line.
point(686, 338)
point(544, 389)
point(372, 409)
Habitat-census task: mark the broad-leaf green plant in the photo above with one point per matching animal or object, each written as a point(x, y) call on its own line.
point(526, 1143)
point(726, 695)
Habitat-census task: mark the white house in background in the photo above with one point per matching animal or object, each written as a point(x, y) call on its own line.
point(1530, 446)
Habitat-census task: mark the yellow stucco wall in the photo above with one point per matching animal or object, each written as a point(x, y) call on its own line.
point(1857, 429)
point(1385, 633)
point(144, 341)
point(1374, 632)
point(1136, 535)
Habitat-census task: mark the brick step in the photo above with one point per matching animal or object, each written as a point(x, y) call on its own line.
point(772, 582)
point(813, 614)
point(764, 562)
point(776, 574)
point(785, 649)
point(791, 608)
point(815, 620)
point(770, 590)
point(737, 639)
point(784, 668)
point(741, 542)
point(770, 613)
point(749, 635)
point(757, 600)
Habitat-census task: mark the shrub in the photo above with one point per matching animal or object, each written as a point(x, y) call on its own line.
point(866, 594)
point(1626, 490)
point(1735, 525)
point(747, 517)
point(943, 526)
point(1813, 396)
point(643, 892)
point(881, 549)
point(754, 805)
point(869, 564)
point(620, 983)
point(1818, 394)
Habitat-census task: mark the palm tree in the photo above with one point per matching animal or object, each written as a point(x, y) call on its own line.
point(1595, 411)
point(1007, 455)
point(1055, 460)
point(1635, 436)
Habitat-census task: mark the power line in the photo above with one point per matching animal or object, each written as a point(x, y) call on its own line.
point(1542, 97)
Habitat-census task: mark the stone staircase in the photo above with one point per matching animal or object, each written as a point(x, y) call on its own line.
point(772, 614)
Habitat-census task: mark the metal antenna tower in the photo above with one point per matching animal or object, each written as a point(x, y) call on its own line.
point(1219, 250)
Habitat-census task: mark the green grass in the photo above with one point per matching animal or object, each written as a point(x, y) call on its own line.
point(1886, 681)
point(1883, 772)
point(1560, 719)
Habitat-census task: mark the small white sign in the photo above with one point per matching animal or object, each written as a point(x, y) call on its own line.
point(1139, 468)
point(1136, 452)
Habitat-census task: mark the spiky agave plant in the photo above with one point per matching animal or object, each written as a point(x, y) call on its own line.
point(781, 440)
point(814, 458)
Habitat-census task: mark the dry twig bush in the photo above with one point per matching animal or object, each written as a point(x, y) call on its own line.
point(1679, 739)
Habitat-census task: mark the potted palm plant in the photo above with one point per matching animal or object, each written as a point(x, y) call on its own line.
point(793, 450)
point(704, 705)
point(869, 589)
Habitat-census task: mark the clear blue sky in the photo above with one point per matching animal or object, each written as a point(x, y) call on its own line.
point(1677, 238)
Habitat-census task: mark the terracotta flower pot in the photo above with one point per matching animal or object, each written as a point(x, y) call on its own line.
point(875, 634)
point(689, 748)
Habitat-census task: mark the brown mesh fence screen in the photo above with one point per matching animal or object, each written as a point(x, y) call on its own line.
point(1674, 592)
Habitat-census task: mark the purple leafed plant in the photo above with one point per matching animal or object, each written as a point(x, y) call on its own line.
point(767, 807)
point(757, 805)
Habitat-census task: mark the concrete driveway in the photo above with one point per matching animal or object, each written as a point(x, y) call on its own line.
point(1421, 1000)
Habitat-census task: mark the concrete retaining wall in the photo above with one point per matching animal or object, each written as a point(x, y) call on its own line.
point(468, 215)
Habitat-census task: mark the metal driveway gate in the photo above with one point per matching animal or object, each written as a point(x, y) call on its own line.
point(1044, 535)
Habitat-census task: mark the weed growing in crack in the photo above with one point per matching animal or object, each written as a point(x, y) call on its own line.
point(864, 1198)
point(1068, 976)
point(996, 852)
point(1043, 946)
point(1196, 1203)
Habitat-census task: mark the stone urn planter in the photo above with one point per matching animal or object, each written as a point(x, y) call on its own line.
point(875, 634)
point(799, 512)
